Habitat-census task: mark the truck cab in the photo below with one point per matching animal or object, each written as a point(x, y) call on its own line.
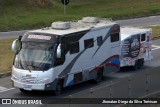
point(35, 56)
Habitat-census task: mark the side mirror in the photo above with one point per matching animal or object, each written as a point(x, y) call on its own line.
point(14, 45)
point(59, 51)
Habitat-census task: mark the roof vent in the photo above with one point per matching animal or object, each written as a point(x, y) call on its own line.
point(91, 19)
point(60, 25)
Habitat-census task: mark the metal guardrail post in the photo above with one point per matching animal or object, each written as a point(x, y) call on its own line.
point(110, 90)
point(129, 87)
point(70, 97)
point(147, 82)
point(91, 92)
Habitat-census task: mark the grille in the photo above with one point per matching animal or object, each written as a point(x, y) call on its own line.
point(28, 79)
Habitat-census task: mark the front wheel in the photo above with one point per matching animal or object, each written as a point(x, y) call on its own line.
point(99, 76)
point(59, 88)
point(23, 91)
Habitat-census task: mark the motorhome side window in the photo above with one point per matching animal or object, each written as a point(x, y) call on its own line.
point(143, 37)
point(114, 37)
point(99, 41)
point(74, 47)
point(88, 43)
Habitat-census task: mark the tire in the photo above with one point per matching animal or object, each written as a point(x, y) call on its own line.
point(141, 63)
point(99, 76)
point(136, 65)
point(59, 88)
point(23, 91)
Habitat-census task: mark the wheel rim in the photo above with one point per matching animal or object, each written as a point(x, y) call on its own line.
point(141, 64)
point(99, 75)
point(58, 88)
point(136, 65)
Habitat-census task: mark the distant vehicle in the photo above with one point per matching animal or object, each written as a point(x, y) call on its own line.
point(68, 53)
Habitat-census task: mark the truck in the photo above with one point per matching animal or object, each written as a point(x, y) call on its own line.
point(68, 53)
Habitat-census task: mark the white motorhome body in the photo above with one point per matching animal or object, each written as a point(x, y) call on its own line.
point(135, 46)
point(69, 52)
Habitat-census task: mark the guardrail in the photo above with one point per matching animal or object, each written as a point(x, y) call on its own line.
point(139, 85)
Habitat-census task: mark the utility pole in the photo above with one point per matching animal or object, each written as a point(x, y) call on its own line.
point(65, 2)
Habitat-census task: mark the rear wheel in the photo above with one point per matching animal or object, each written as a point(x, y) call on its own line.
point(141, 63)
point(59, 88)
point(99, 76)
point(136, 65)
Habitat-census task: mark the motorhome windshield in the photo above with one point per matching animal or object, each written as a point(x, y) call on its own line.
point(35, 56)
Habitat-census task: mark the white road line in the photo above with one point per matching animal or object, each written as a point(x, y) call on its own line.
point(155, 47)
point(104, 86)
point(2, 88)
point(7, 90)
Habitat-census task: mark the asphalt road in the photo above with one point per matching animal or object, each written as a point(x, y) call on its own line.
point(7, 91)
point(152, 20)
point(11, 34)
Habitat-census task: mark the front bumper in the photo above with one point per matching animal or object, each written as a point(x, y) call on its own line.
point(22, 85)
point(41, 87)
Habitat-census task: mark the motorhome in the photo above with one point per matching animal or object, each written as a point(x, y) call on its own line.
point(68, 53)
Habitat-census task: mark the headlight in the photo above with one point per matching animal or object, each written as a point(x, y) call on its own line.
point(46, 80)
point(14, 77)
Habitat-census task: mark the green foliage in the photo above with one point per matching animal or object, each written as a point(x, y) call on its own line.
point(29, 14)
point(6, 56)
point(155, 31)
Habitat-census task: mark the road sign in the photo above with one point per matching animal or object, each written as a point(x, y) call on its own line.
point(65, 2)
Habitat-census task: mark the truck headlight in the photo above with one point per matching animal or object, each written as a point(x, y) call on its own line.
point(45, 80)
point(14, 77)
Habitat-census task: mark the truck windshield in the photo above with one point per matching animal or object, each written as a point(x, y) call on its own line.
point(35, 56)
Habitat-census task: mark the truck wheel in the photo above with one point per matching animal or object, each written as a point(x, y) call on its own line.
point(141, 63)
point(23, 91)
point(99, 76)
point(59, 88)
point(136, 65)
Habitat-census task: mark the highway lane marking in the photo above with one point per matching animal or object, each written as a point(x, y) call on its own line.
point(7, 90)
point(155, 47)
point(110, 84)
point(91, 89)
point(2, 88)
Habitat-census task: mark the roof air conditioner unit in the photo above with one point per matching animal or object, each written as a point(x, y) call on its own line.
point(60, 25)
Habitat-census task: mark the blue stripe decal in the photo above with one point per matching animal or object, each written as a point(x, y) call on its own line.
point(114, 61)
point(70, 83)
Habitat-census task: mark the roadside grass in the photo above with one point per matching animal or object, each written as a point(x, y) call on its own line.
point(155, 31)
point(6, 56)
point(25, 16)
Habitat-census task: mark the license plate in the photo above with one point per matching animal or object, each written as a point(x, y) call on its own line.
point(27, 87)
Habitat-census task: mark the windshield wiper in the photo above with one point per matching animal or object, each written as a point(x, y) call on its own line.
point(26, 66)
point(25, 63)
point(42, 60)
